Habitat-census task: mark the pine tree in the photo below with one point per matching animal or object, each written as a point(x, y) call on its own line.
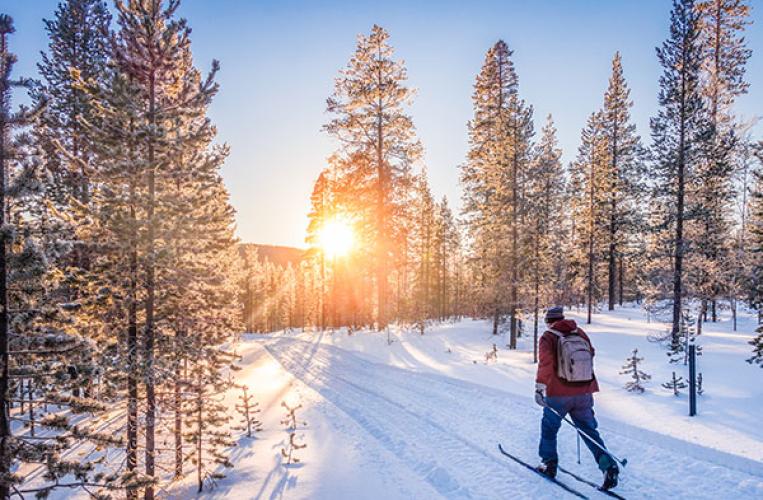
point(423, 246)
point(741, 261)
point(152, 49)
point(207, 417)
point(677, 132)
point(545, 199)
point(500, 137)
point(370, 121)
point(722, 23)
point(161, 228)
point(631, 367)
point(446, 262)
point(78, 48)
point(37, 343)
point(622, 171)
point(589, 198)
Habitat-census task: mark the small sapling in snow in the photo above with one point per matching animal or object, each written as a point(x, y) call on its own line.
point(675, 384)
point(248, 409)
point(492, 355)
point(631, 367)
point(290, 421)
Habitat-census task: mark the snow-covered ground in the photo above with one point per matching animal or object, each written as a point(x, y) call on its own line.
point(421, 418)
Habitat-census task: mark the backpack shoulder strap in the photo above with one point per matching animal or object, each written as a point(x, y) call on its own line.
point(557, 332)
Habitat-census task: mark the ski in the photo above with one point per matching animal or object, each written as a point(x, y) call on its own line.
point(590, 483)
point(550, 479)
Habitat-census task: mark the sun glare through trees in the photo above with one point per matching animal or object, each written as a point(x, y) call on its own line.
point(337, 237)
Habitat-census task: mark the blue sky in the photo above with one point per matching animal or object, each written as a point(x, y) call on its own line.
point(279, 59)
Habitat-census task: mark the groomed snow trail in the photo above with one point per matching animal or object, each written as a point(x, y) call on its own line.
point(446, 431)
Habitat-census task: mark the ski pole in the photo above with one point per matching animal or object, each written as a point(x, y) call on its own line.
point(622, 462)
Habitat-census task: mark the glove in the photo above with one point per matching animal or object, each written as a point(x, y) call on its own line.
point(540, 394)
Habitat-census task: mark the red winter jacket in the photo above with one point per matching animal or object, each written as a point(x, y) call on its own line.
point(547, 370)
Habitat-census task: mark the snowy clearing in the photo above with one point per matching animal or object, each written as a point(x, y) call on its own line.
point(420, 419)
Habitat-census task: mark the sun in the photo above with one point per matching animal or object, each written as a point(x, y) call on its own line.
point(337, 237)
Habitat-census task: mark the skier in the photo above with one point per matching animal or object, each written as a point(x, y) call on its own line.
point(565, 383)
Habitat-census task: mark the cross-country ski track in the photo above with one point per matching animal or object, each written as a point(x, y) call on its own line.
point(400, 433)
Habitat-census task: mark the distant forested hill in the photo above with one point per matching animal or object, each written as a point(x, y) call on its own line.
point(279, 255)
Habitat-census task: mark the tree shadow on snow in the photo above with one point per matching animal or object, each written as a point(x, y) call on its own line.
point(281, 477)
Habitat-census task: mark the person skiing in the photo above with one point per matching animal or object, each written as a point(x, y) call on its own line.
point(565, 383)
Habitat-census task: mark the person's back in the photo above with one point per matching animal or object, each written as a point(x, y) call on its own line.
point(548, 369)
point(563, 390)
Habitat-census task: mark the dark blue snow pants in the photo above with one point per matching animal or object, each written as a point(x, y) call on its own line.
point(580, 410)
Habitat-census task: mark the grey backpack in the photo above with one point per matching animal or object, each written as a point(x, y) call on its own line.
point(574, 357)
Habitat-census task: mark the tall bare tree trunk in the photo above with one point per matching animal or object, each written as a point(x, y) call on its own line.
point(150, 298)
point(5, 421)
point(679, 233)
point(132, 345)
point(613, 223)
point(591, 228)
point(621, 279)
point(514, 245)
point(381, 244)
point(178, 404)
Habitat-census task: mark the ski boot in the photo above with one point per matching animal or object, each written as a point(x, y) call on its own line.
point(548, 468)
point(610, 477)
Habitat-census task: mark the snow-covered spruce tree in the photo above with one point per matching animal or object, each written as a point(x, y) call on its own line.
point(369, 119)
point(638, 376)
point(589, 197)
point(41, 355)
point(725, 54)
point(500, 135)
point(545, 197)
point(678, 132)
point(623, 174)
point(675, 384)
